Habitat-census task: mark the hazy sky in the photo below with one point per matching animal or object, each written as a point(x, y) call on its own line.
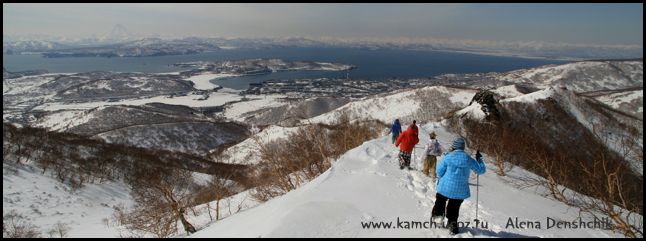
point(614, 24)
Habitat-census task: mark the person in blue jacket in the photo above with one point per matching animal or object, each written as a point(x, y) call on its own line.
point(396, 129)
point(453, 185)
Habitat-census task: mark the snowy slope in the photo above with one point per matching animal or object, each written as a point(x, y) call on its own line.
point(194, 100)
point(507, 91)
point(64, 119)
point(628, 101)
point(422, 104)
point(203, 81)
point(228, 206)
point(610, 130)
point(366, 185)
point(582, 76)
point(46, 201)
point(247, 151)
point(240, 110)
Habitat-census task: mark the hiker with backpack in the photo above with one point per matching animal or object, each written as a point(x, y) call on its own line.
point(433, 150)
point(453, 186)
point(396, 129)
point(406, 142)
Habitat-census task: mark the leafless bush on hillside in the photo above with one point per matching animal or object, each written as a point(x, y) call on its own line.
point(217, 189)
point(552, 173)
point(431, 102)
point(78, 160)
point(576, 167)
point(14, 225)
point(497, 142)
point(160, 180)
point(275, 179)
point(161, 197)
point(60, 230)
point(138, 222)
point(609, 188)
point(613, 189)
point(304, 155)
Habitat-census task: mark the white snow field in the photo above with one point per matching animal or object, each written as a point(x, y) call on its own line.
point(366, 185)
point(44, 201)
point(193, 100)
point(88, 212)
point(203, 81)
point(247, 151)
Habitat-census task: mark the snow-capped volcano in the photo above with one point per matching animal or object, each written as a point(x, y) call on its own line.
point(120, 33)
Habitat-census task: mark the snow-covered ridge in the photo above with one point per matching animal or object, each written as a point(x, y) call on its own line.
point(610, 130)
point(424, 103)
point(64, 120)
point(256, 66)
point(532, 97)
point(239, 111)
point(582, 76)
point(366, 185)
point(507, 91)
point(473, 111)
point(212, 99)
point(248, 151)
point(631, 101)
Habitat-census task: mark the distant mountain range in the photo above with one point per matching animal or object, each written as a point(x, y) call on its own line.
point(120, 42)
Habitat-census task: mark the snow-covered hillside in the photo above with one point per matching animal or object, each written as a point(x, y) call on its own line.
point(428, 103)
point(203, 81)
point(582, 76)
point(239, 111)
point(44, 201)
point(418, 103)
point(631, 101)
point(507, 91)
point(608, 127)
point(366, 185)
point(247, 151)
point(194, 100)
point(187, 137)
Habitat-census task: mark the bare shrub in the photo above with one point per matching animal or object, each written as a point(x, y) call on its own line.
point(60, 230)
point(613, 189)
point(161, 196)
point(307, 153)
point(432, 103)
point(14, 225)
point(138, 221)
point(576, 166)
point(218, 188)
point(77, 160)
point(160, 180)
point(494, 141)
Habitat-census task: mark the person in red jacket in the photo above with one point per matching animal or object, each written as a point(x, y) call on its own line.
point(406, 142)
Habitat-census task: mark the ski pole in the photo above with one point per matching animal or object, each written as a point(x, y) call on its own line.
point(477, 195)
point(477, 188)
point(413, 156)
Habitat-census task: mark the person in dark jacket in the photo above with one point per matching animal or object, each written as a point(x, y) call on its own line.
point(453, 173)
point(406, 142)
point(396, 129)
